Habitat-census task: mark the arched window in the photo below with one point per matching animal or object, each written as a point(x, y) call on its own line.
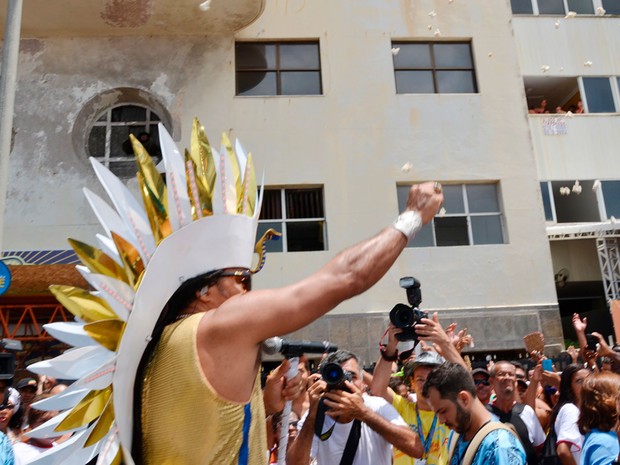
point(108, 138)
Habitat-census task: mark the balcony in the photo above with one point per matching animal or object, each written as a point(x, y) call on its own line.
point(93, 18)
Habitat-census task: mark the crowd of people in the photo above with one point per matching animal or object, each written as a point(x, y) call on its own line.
point(430, 407)
point(542, 108)
point(19, 416)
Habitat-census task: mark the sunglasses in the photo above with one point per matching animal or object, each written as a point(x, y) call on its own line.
point(484, 382)
point(244, 277)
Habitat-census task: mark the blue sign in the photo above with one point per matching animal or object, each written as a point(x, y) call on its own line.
point(5, 278)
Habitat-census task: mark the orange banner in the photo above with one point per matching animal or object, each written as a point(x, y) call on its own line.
point(615, 315)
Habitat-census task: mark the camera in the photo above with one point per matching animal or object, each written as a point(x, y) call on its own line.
point(407, 316)
point(335, 376)
point(591, 342)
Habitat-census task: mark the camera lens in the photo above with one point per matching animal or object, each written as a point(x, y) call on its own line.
point(332, 374)
point(401, 316)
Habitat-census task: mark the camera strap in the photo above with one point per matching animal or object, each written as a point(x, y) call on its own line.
point(353, 440)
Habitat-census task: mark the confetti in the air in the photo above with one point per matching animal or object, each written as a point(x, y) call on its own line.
point(613, 219)
point(442, 212)
point(545, 68)
point(596, 184)
point(587, 63)
point(577, 188)
point(437, 32)
point(600, 11)
point(406, 167)
point(570, 14)
point(561, 68)
point(432, 14)
point(204, 6)
point(395, 50)
point(429, 27)
point(564, 190)
point(569, 114)
point(490, 54)
point(557, 24)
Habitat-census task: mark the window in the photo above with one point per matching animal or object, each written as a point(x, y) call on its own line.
point(298, 214)
point(277, 68)
point(108, 140)
point(473, 217)
point(612, 7)
point(591, 205)
point(552, 7)
point(434, 68)
point(598, 93)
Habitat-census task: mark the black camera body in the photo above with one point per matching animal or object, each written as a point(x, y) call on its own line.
point(335, 376)
point(407, 316)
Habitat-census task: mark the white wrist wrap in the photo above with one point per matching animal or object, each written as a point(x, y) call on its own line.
point(408, 223)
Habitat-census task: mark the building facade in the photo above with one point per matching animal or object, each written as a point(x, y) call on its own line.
point(342, 104)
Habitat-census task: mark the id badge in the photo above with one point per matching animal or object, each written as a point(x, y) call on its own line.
point(420, 461)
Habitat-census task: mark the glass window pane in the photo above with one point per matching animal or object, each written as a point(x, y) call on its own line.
point(455, 82)
point(451, 231)
point(259, 83)
point(482, 198)
point(154, 117)
point(272, 205)
point(414, 82)
point(275, 244)
point(124, 169)
point(304, 236)
point(128, 113)
point(255, 56)
point(521, 7)
point(402, 192)
point(120, 146)
point(584, 7)
point(453, 199)
point(544, 191)
point(598, 95)
point(300, 83)
point(96, 142)
point(611, 195)
point(551, 7)
point(452, 56)
point(412, 56)
point(423, 238)
point(304, 203)
point(487, 230)
point(612, 7)
point(299, 56)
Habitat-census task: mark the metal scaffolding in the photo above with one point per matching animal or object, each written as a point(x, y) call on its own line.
point(608, 249)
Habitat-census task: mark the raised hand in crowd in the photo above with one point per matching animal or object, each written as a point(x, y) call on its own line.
point(430, 330)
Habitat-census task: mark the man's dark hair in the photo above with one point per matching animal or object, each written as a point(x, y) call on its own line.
point(339, 357)
point(449, 379)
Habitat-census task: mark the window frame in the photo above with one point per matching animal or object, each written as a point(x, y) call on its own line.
point(467, 214)
point(565, 3)
point(278, 69)
point(433, 66)
point(107, 160)
point(284, 219)
point(602, 208)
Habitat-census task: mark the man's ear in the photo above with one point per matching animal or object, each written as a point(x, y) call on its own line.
point(464, 398)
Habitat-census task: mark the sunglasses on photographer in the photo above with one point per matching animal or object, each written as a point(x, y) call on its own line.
point(484, 382)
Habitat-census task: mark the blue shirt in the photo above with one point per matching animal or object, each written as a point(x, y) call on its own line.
point(599, 448)
point(499, 447)
point(6, 451)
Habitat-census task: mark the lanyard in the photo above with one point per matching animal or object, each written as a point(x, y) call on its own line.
point(426, 442)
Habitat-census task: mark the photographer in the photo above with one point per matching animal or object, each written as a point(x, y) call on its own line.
point(344, 426)
point(418, 414)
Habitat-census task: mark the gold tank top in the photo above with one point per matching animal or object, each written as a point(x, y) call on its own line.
point(184, 421)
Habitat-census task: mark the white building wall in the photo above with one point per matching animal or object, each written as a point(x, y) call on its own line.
point(353, 140)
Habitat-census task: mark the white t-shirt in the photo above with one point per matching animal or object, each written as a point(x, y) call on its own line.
point(26, 453)
point(372, 448)
point(567, 430)
point(536, 433)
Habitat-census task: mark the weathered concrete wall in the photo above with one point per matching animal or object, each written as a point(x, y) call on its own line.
point(353, 139)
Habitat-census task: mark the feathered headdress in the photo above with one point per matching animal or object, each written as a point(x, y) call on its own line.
point(203, 218)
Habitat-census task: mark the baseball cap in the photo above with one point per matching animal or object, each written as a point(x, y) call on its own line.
point(480, 371)
point(427, 359)
point(26, 382)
